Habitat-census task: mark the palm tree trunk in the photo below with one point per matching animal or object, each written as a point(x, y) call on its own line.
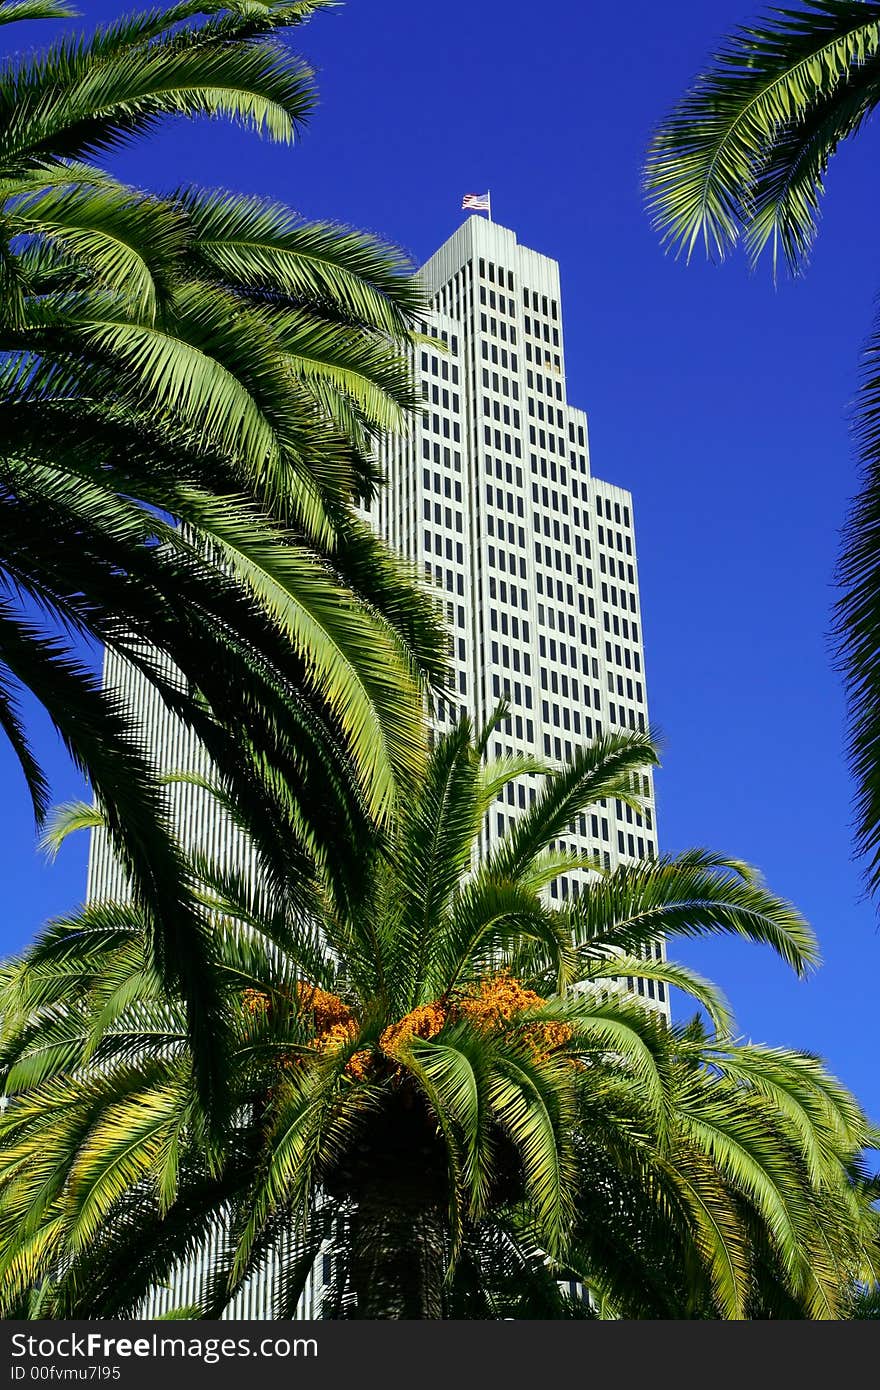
point(397, 1259)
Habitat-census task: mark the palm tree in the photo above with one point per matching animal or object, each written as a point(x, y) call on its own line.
point(639, 1243)
point(744, 155)
point(191, 387)
point(446, 1086)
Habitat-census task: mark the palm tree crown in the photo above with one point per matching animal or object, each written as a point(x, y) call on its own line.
point(445, 1086)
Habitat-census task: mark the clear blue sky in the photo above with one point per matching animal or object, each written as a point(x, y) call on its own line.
point(721, 402)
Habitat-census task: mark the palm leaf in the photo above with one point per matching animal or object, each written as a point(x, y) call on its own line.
point(765, 82)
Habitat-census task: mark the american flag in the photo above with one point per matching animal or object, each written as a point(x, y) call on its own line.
point(476, 202)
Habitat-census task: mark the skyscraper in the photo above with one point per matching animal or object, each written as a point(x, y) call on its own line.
point(492, 494)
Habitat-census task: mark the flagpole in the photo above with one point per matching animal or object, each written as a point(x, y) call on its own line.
point(489, 201)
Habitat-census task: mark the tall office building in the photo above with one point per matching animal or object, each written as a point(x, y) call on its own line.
point(491, 494)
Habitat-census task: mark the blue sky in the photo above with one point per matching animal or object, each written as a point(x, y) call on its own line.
point(721, 402)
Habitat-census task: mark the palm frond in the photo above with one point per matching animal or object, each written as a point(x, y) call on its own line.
point(763, 86)
point(686, 895)
point(857, 619)
point(603, 769)
point(82, 98)
point(258, 245)
point(65, 820)
point(13, 727)
point(11, 11)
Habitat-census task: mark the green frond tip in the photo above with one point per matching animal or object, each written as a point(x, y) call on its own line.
point(11, 11)
point(745, 151)
point(63, 820)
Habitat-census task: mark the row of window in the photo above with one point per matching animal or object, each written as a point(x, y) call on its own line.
point(635, 846)
point(540, 330)
point(549, 646)
point(493, 439)
point(430, 330)
point(553, 559)
point(624, 812)
point(497, 275)
point(518, 598)
point(445, 579)
point(563, 749)
point(558, 683)
point(511, 658)
point(627, 845)
point(614, 539)
point(623, 657)
point(548, 468)
point(550, 414)
point(455, 614)
point(504, 471)
point(514, 794)
point(441, 396)
point(618, 597)
point(437, 453)
point(558, 621)
point(511, 690)
point(588, 822)
point(444, 546)
point(562, 888)
point(551, 527)
point(508, 564)
point(616, 511)
point(447, 487)
point(617, 569)
point(508, 624)
point(523, 728)
point(627, 719)
point(498, 356)
point(442, 516)
point(542, 357)
point(548, 307)
point(500, 384)
point(456, 287)
point(441, 425)
point(559, 651)
point(455, 647)
point(621, 627)
point(541, 439)
point(499, 302)
point(624, 685)
point(565, 593)
point(563, 718)
point(496, 410)
point(447, 371)
point(514, 535)
point(447, 710)
point(654, 988)
point(632, 846)
point(544, 384)
point(498, 329)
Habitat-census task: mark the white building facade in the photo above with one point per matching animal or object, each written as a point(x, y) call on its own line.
point(492, 496)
